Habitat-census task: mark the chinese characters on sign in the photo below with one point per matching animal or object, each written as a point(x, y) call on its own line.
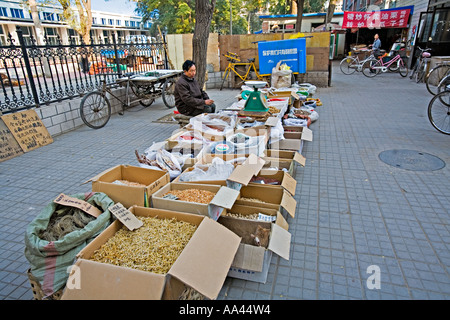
point(28, 129)
point(279, 52)
point(376, 19)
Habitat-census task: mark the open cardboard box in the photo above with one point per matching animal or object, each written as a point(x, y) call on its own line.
point(130, 195)
point(293, 138)
point(285, 179)
point(211, 210)
point(262, 136)
point(202, 265)
point(251, 261)
point(284, 159)
point(274, 197)
point(281, 94)
point(226, 193)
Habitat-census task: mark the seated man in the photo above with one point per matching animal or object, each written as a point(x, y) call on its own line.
point(190, 99)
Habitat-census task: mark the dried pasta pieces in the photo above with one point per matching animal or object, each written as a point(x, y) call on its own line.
point(154, 247)
point(192, 195)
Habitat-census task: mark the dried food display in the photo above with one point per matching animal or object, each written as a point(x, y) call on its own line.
point(191, 195)
point(154, 247)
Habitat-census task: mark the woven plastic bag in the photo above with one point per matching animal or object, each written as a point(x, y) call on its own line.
point(49, 261)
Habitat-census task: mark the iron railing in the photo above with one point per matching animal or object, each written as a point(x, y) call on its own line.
point(33, 75)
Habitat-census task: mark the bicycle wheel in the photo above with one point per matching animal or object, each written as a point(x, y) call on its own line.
point(434, 77)
point(439, 112)
point(444, 84)
point(403, 68)
point(393, 67)
point(348, 65)
point(368, 68)
point(95, 110)
point(167, 92)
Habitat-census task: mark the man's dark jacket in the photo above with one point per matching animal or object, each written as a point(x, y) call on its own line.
point(188, 95)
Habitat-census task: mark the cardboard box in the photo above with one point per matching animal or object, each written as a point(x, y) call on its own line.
point(130, 195)
point(262, 136)
point(273, 198)
point(203, 265)
point(251, 261)
point(286, 180)
point(279, 94)
point(286, 159)
point(294, 136)
point(158, 201)
point(224, 198)
point(266, 214)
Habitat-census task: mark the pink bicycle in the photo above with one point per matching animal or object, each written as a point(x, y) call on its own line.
point(373, 67)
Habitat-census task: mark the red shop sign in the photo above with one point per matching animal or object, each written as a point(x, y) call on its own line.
point(376, 19)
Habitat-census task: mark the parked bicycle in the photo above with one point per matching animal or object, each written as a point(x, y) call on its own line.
point(420, 67)
point(434, 77)
point(373, 67)
point(439, 108)
point(350, 64)
point(95, 108)
point(242, 69)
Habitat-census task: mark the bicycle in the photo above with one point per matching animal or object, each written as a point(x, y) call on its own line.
point(95, 107)
point(375, 66)
point(350, 64)
point(421, 65)
point(235, 65)
point(435, 76)
point(439, 108)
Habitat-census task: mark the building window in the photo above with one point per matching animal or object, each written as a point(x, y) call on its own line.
point(103, 21)
point(16, 13)
point(132, 24)
point(94, 20)
point(58, 17)
point(52, 35)
point(127, 23)
point(3, 12)
point(2, 37)
point(118, 22)
point(27, 32)
point(73, 36)
point(48, 16)
point(111, 22)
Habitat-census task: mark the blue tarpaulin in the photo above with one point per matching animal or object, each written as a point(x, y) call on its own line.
point(290, 51)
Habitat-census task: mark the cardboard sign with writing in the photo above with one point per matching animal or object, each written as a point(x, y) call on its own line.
point(78, 203)
point(125, 216)
point(9, 148)
point(28, 129)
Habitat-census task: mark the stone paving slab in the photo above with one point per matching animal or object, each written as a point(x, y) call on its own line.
point(355, 214)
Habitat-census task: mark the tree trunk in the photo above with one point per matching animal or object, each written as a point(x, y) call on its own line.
point(203, 15)
point(39, 34)
point(330, 12)
point(298, 23)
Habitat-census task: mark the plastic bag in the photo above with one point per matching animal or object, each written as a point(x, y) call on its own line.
point(218, 170)
point(49, 260)
point(211, 123)
point(281, 76)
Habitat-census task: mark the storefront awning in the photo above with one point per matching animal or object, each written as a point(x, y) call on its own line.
point(389, 18)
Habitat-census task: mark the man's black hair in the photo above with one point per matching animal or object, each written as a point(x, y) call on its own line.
point(188, 64)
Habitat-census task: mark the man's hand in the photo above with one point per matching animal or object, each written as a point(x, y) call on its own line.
point(209, 102)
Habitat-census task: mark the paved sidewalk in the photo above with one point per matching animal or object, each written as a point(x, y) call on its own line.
point(355, 213)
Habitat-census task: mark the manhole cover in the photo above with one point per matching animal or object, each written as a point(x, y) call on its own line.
point(411, 160)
